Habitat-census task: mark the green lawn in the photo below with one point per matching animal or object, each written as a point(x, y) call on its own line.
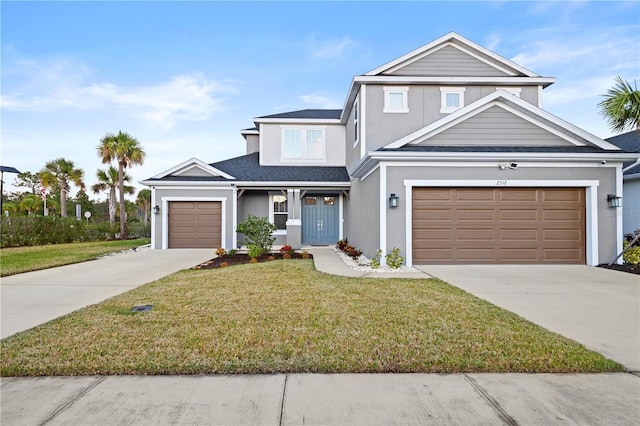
point(283, 316)
point(24, 259)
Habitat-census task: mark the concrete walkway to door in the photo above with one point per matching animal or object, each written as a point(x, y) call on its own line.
point(34, 298)
point(597, 307)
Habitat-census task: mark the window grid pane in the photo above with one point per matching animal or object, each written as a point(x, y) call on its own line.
point(396, 99)
point(292, 143)
point(453, 100)
point(315, 145)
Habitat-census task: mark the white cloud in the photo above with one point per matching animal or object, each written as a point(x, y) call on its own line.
point(320, 100)
point(59, 84)
point(330, 48)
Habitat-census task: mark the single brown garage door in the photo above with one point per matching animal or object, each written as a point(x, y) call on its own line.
point(195, 224)
point(498, 225)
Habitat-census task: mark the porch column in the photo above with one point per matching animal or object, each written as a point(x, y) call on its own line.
point(294, 222)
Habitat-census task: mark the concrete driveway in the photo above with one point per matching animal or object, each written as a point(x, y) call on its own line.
point(34, 298)
point(597, 307)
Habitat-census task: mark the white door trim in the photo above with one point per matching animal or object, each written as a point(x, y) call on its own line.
point(591, 208)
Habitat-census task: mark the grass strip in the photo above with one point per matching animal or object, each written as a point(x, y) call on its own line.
point(17, 260)
point(284, 316)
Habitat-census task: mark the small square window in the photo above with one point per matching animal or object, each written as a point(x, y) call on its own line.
point(310, 201)
point(396, 99)
point(329, 201)
point(452, 99)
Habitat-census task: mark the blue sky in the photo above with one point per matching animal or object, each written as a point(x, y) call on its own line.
point(185, 77)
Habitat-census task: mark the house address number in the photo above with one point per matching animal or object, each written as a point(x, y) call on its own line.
point(501, 183)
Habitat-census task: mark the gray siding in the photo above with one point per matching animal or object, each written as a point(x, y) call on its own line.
point(362, 218)
point(452, 62)
point(630, 206)
point(605, 175)
point(496, 126)
point(424, 108)
point(352, 154)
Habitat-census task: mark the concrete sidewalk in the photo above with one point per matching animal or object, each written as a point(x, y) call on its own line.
point(34, 298)
point(295, 399)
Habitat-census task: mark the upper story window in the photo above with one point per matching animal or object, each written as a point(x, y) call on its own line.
point(356, 122)
point(452, 99)
point(303, 143)
point(515, 91)
point(396, 99)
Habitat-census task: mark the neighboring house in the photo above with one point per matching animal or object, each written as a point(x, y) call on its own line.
point(630, 211)
point(451, 134)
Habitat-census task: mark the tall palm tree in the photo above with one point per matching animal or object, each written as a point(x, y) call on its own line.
point(143, 200)
point(127, 151)
point(61, 173)
point(108, 181)
point(621, 106)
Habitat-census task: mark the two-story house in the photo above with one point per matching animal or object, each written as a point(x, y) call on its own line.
point(444, 152)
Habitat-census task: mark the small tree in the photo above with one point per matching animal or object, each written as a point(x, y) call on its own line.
point(258, 232)
point(621, 106)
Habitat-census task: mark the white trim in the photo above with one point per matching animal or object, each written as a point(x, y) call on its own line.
point(539, 96)
point(260, 144)
point(619, 212)
point(383, 211)
point(297, 121)
point(190, 164)
point(234, 218)
point(272, 213)
point(363, 119)
point(488, 101)
point(370, 172)
point(444, 91)
point(493, 81)
point(153, 218)
point(260, 184)
point(404, 91)
point(165, 216)
point(515, 91)
point(340, 216)
point(591, 207)
point(356, 121)
point(448, 38)
point(303, 144)
point(250, 132)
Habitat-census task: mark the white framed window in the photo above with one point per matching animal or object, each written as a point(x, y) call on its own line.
point(451, 99)
point(396, 99)
point(306, 144)
point(515, 91)
point(278, 212)
point(356, 122)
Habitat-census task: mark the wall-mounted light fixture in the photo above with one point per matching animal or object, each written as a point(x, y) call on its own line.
point(614, 200)
point(156, 209)
point(394, 200)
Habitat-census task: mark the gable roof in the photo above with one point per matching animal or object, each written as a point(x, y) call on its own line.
point(513, 104)
point(205, 171)
point(629, 142)
point(456, 41)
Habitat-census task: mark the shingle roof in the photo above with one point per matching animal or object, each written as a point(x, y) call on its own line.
point(321, 114)
point(515, 149)
point(248, 168)
point(629, 142)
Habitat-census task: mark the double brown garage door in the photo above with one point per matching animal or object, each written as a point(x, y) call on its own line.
point(195, 224)
point(498, 225)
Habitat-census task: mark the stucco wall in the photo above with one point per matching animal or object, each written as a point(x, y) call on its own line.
point(607, 228)
point(361, 217)
point(271, 152)
point(424, 108)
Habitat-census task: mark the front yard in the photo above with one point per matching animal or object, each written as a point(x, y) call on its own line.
point(283, 316)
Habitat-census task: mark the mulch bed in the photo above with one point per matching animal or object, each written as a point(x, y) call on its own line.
point(238, 259)
point(632, 269)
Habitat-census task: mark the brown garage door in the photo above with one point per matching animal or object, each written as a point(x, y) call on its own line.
point(195, 224)
point(498, 225)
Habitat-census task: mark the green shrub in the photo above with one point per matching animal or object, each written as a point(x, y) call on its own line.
point(258, 231)
point(394, 260)
point(375, 262)
point(632, 256)
point(255, 251)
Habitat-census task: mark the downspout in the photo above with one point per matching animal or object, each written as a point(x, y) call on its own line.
point(637, 162)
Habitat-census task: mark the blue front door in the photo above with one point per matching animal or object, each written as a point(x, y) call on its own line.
point(320, 219)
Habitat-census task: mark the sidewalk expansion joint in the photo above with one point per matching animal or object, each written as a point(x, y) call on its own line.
point(71, 401)
point(495, 404)
point(284, 393)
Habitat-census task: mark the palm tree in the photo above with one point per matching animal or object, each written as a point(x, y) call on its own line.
point(30, 203)
point(621, 106)
point(127, 151)
point(60, 173)
point(108, 181)
point(143, 200)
